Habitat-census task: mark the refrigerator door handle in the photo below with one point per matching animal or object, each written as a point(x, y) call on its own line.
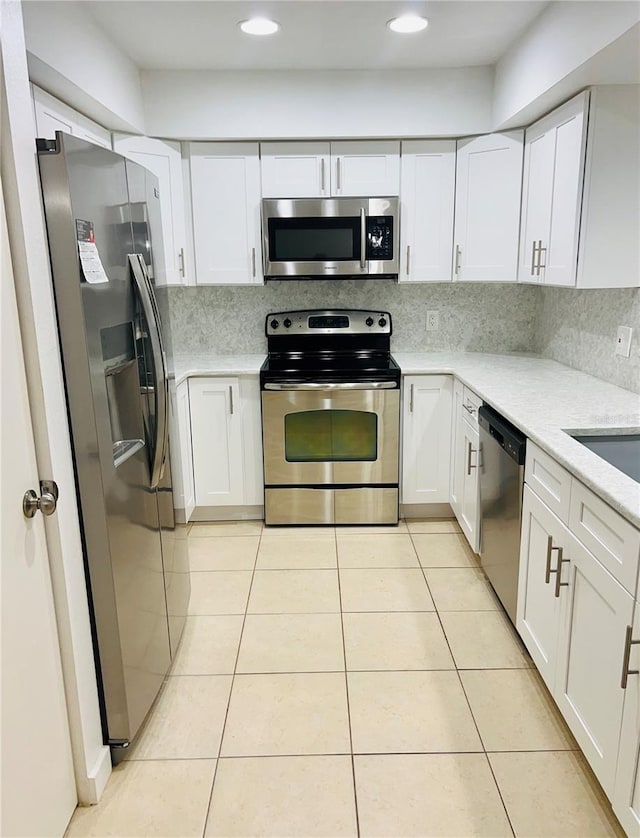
point(145, 295)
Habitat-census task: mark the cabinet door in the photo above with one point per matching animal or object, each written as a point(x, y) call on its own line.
point(165, 161)
point(487, 208)
point(252, 441)
point(295, 170)
point(216, 434)
point(361, 169)
point(426, 438)
point(538, 613)
point(469, 499)
point(537, 191)
point(225, 195)
point(596, 612)
point(456, 477)
point(428, 172)
point(626, 795)
point(183, 444)
point(51, 115)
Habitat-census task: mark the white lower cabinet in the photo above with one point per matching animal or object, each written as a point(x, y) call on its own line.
point(626, 793)
point(426, 440)
point(464, 494)
point(226, 441)
point(572, 616)
point(181, 450)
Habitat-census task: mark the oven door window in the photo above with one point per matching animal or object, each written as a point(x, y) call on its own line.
point(330, 436)
point(314, 239)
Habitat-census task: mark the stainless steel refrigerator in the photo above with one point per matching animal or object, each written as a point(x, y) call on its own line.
point(103, 223)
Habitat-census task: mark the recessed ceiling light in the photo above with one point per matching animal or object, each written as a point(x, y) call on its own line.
point(408, 23)
point(259, 26)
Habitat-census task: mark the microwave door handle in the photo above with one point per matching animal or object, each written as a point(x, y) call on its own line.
point(159, 368)
point(363, 238)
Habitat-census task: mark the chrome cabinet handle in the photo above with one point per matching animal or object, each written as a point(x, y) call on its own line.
point(230, 400)
point(470, 451)
point(628, 643)
point(408, 258)
point(411, 399)
point(456, 267)
point(539, 266)
point(338, 178)
point(558, 572)
point(322, 174)
point(253, 261)
point(181, 261)
point(469, 408)
point(533, 258)
point(550, 547)
point(363, 237)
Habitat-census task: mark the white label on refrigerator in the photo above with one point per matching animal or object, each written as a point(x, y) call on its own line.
point(90, 261)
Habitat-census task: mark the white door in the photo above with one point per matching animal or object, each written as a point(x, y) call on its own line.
point(216, 436)
point(487, 214)
point(295, 170)
point(427, 199)
point(51, 115)
point(165, 161)
point(225, 194)
point(426, 438)
point(365, 169)
point(457, 450)
point(539, 610)
point(596, 612)
point(626, 795)
point(537, 193)
point(38, 787)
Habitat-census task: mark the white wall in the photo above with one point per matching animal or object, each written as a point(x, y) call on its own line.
point(337, 103)
point(29, 252)
point(549, 57)
point(70, 57)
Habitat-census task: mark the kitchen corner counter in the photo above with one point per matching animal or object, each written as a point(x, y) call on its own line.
point(205, 364)
point(544, 399)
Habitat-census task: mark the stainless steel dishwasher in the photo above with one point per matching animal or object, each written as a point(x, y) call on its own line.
point(502, 452)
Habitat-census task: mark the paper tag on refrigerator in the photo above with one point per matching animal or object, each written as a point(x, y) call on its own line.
point(90, 261)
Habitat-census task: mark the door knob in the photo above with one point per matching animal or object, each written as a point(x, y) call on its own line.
point(46, 503)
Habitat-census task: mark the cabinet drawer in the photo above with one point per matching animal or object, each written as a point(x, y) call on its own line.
point(612, 539)
point(470, 404)
point(548, 480)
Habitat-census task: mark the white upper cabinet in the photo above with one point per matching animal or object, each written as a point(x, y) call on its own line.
point(225, 196)
point(323, 169)
point(427, 201)
point(580, 198)
point(552, 194)
point(487, 207)
point(365, 169)
point(165, 161)
point(52, 115)
point(295, 170)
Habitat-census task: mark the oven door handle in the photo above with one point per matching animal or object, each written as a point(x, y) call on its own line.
point(333, 385)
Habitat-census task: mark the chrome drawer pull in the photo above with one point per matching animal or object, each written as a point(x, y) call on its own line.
point(558, 572)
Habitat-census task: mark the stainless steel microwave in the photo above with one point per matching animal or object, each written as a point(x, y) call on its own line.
point(313, 238)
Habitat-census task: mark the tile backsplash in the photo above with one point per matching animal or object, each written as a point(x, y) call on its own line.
point(577, 328)
point(481, 318)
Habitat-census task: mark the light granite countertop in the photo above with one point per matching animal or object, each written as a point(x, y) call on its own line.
point(541, 397)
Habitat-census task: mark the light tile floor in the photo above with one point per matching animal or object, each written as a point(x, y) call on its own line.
point(436, 725)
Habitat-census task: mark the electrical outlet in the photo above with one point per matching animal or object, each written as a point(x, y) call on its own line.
point(623, 341)
point(433, 321)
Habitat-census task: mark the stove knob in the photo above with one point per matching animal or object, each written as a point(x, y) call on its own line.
point(382, 322)
point(369, 321)
point(274, 323)
point(287, 323)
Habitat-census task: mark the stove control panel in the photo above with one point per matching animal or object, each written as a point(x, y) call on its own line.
point(328, 322)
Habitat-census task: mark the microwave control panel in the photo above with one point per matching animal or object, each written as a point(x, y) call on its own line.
point(379, 237)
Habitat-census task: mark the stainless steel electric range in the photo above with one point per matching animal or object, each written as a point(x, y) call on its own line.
point(330, 418)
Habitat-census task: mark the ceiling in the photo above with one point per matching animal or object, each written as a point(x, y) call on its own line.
point(314, 34)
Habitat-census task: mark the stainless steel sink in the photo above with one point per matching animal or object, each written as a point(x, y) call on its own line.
point(621, 450)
